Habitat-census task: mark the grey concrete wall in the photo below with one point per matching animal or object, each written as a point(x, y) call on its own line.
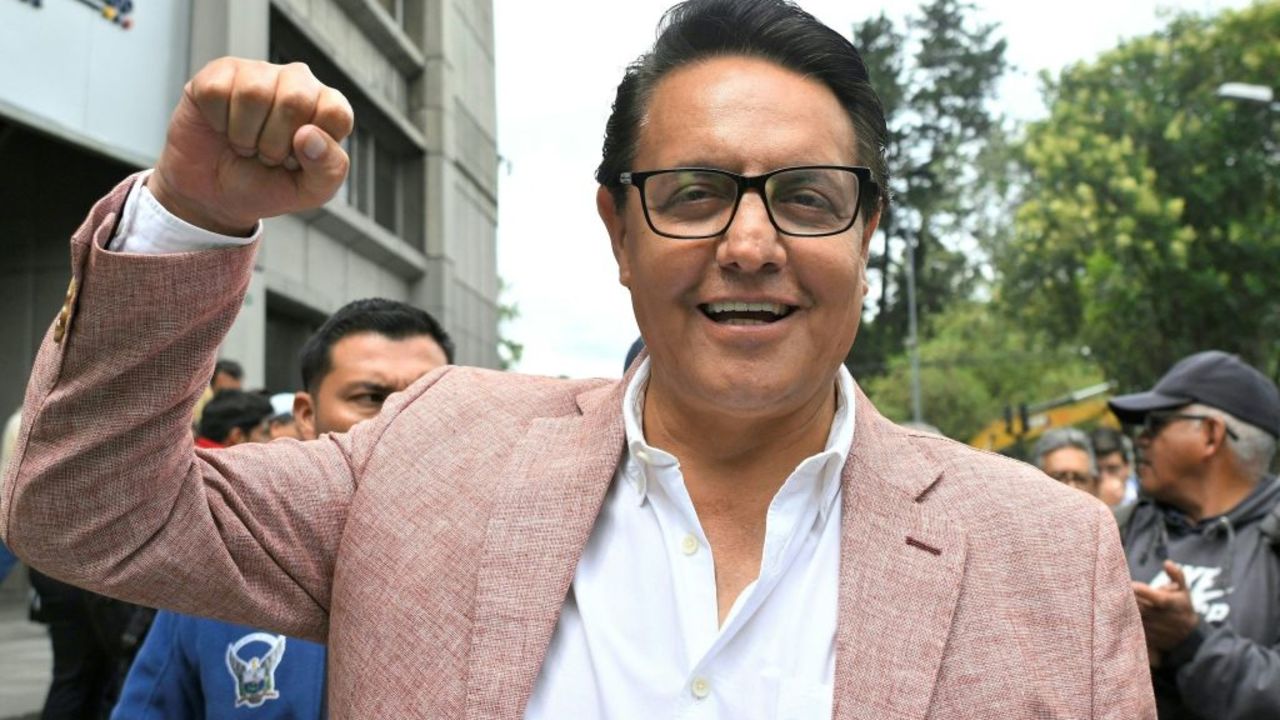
point(459, 112)
point(434, 79)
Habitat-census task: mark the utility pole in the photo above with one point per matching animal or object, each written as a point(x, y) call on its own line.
point(913, 337)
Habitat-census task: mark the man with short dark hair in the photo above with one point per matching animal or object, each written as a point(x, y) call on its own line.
point(731, 530)
point(198, 668)
point(1205, 566)
point(363, 353)
point(232, 417)
point(1114, 453)
point(227, 375)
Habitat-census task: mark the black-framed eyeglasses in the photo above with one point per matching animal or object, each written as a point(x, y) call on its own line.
point(692, 203)
point(1156, 421)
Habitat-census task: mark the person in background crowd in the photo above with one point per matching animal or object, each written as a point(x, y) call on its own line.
point(282, 423)
point(227, 375)
point(88, 632)
point(233, 417)
point(1117, 484)
point(10, 436)
point(362, 354)
point(633, 352)
point(730, 530)
point(1205, 563)
point(1066, 455)
point(194, 668)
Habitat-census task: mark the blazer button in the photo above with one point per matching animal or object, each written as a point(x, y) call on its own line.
point(64, 315)
point(60, 326)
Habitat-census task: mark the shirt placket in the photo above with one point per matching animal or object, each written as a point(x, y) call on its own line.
point(693, 571)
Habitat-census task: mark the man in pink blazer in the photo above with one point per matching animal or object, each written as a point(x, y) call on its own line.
point(732, 530)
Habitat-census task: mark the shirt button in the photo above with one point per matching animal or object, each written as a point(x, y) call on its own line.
point(689, 545)
point(701, 688)
point(642, 455)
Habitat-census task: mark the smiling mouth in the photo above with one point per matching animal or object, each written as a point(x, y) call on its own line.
point(745, 313)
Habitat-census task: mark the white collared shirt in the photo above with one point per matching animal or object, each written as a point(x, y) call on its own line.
point(639, 635)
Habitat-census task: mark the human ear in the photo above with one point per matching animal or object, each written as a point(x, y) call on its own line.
point(615, 224)
point(304, 412)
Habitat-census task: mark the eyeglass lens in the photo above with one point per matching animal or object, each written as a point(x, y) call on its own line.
point(701, 203)
point(1071, 477)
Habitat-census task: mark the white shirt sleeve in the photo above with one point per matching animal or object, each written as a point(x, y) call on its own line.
point(145, 227)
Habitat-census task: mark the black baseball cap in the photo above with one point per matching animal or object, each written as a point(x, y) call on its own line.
point(1212, 378)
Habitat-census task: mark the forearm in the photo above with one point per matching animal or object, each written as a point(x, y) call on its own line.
point(108, 405)
point(1223, 675)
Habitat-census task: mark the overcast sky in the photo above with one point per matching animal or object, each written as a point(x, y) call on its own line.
point(558, 65)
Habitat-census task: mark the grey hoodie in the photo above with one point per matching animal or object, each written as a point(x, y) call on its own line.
point(1229, 668)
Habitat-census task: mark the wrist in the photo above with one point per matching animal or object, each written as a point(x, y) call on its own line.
point(1183, 652)
point(192, 213)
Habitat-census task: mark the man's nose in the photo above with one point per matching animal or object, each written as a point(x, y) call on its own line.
point(751, 243)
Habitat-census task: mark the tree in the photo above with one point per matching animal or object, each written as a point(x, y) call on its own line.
point(973, 364)
point(1151, 227)
point(936, 79)
point(509, 351)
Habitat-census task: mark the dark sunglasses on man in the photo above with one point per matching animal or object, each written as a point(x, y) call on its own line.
point(1155, 421)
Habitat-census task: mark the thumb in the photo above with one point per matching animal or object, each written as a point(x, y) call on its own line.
point(322, 165)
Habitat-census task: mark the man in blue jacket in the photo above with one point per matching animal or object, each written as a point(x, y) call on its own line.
point(192, 667)
point(1204, 558)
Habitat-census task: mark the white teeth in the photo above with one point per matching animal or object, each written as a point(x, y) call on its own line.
point(772, 308)
point(743, 321)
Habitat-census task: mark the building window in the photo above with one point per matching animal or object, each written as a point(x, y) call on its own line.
point(394, 8)
point(385, 181)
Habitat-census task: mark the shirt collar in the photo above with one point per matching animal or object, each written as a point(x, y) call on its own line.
point(642, 458)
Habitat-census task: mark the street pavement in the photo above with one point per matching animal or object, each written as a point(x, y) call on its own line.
point(26, 659)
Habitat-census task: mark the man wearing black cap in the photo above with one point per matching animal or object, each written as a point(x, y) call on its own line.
point(1206, 568)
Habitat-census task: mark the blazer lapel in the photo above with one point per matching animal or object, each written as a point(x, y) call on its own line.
point(901, 565)
point(554, 488)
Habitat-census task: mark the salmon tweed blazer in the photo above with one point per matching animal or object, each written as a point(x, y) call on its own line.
point(432, 547)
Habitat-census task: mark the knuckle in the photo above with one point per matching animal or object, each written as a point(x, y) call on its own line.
point(218, 65)
point(294, 105)
point(254, 92)
point(299, 68)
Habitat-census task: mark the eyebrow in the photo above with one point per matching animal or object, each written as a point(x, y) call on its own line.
point(369, 386)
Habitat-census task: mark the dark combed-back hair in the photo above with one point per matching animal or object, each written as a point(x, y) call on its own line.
point(230, 367)
point(232, 409)
point(1108, 440)
point(389, 318)
point(773, 30)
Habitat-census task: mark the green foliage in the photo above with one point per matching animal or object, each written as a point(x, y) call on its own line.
point(1151, 227)
point(937, 78)
point(509, 351)
point(973, 364)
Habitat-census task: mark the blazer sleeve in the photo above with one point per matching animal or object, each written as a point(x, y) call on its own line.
point(106, 490)
point(1121, 678)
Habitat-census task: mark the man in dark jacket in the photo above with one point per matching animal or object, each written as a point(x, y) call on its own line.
point(1206, 569)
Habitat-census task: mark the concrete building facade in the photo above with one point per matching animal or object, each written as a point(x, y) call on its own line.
point(415, 221)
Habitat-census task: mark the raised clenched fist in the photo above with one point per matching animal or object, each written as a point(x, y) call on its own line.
point(251, 140)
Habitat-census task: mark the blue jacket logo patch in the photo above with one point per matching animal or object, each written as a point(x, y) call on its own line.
point(255, 678)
